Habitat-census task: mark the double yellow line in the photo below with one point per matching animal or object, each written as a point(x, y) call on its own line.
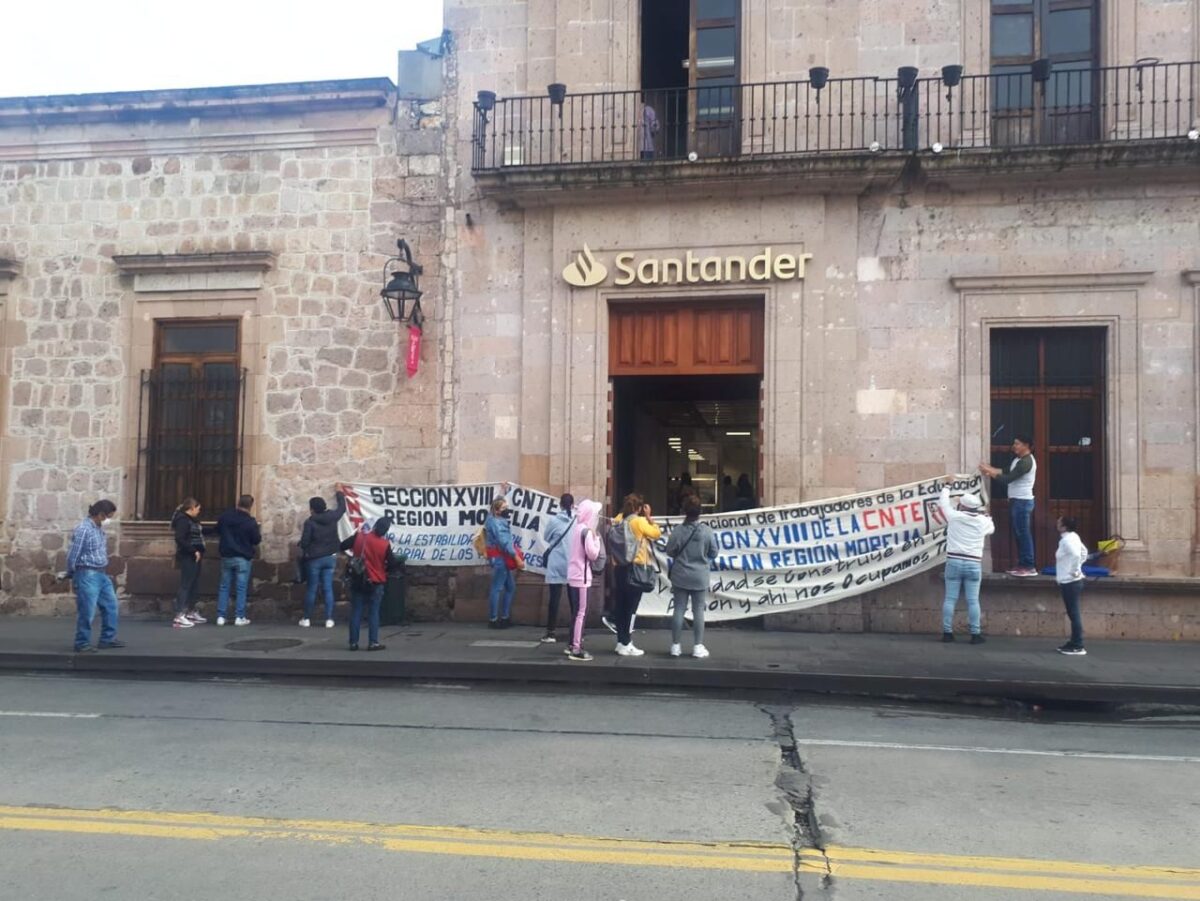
point(750, 857)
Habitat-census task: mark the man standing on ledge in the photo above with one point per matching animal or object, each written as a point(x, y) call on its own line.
point(1019, 479)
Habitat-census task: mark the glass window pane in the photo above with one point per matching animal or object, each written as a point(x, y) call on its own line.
point(1014, 361)
point(1068, 31)
point(1070, 85)
point(1012, 35)
point(1072, 423)
point(1012, 87)
point(715, 47)
point(716, 9)
point(1071, 477)
point(1074, 357)
point(1009, 419)
point(715, 102)
point(219, 337)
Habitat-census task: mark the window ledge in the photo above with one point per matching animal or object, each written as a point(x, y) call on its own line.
point(196, 272)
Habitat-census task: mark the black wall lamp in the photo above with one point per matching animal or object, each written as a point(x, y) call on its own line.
point(400, 276)
point(818, 77)
point(557, 92)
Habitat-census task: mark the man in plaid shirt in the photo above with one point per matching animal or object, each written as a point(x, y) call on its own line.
point(86, 564)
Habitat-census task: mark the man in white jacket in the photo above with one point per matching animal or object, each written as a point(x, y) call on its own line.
point(966, 528)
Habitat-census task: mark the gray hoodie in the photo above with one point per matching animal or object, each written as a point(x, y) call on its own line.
point(692, 547)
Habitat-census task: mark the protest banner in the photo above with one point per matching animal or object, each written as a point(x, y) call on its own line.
point(771, 559)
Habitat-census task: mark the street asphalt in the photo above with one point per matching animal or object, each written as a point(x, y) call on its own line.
point(228, 789)
point(874, 665)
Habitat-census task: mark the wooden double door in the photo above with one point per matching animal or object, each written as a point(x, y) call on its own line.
point(1049, 384)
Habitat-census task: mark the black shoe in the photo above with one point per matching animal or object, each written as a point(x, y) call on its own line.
point(85, 649)
point(354, 647)
point(505, 622)
point(115, 643)
point(947, 636)
point(494, 624)
point(977, 639)
point(376, 647)
point(549, 638)
point(1071, 650)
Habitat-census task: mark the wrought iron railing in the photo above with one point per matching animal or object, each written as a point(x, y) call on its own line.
point(191, 439)
point(1042, 107)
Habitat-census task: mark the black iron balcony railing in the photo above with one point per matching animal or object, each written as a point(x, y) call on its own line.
point(1043, 107)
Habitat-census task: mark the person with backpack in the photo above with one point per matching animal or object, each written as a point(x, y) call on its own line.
point(189, 552)
point(319, 543)
point(585, 556)
point(372, 558)
point(692, 547)
point(558, 532)
point(504, 557)
point(630, 538)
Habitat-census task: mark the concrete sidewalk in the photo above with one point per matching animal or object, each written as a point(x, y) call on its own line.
point(1026, 669)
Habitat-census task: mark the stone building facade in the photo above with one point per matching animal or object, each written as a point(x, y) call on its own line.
point(268, 211)
point(992, 248)
point(766, 239)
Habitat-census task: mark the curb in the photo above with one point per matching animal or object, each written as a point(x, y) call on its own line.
point(626, 674)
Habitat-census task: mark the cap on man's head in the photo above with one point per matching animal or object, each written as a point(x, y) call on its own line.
point(970, 502)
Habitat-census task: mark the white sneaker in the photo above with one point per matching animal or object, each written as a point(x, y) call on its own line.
point(304, 623)
point(241, 621)
point(624, 650)
point(609, 624)
point(699, 651)
point(634, 652)
point(220, 620)
point(676, 650)
point(195, 618)
point(328, 624)
point(182, 622)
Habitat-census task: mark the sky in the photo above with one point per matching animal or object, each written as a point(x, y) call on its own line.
point(77, 47)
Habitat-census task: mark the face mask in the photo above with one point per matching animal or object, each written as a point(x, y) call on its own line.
point(106, 524)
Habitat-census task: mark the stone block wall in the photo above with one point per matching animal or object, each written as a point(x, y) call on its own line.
point(323, 189)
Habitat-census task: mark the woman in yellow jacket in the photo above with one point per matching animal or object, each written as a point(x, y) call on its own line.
point(644, 531)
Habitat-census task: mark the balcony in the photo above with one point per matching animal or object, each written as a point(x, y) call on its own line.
point(844, 128)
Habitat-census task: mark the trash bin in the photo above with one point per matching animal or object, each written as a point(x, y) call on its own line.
point(391, 613)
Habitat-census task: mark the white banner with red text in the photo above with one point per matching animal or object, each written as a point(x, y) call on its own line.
point(771, 560)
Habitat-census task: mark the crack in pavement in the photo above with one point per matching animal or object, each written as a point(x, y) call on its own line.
point(795, 787)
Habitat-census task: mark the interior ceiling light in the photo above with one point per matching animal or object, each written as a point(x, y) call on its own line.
point(738, 434)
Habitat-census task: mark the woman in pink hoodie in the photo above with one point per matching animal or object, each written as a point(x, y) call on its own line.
point(583, 547)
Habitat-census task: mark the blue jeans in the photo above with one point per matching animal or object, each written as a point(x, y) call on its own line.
point(233, 568)
point(502, 583)
point(320, 575)
point(93, 589)
point(373, 597)
point(1071, 592)
point(1020, 513)
point(964, 576)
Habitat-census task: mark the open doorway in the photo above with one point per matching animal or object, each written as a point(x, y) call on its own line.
point(704, 425)
point(690, 72)
point(665, 48)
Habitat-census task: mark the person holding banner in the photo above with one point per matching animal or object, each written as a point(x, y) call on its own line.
point(504, 557)
point(366, 590)
point(319, 547)
point(1020, 479)
point(638, 529)
point(584, 556)
point(966, 528)
point(692, 547)
point(557, 532)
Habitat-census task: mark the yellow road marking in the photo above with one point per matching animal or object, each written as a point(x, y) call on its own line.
point(1017, 864)
point(757, 857)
